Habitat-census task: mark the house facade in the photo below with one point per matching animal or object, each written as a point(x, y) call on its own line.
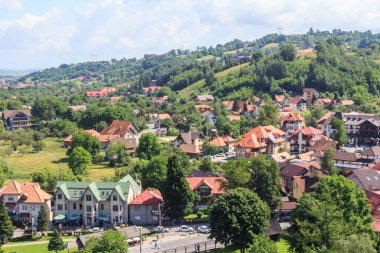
point(190, 142)
point(206, 188)
point(144, 208)
point(260, 140)
point(299, 104)
point(24, 200)
point(89, 203)
point(301, 140)
point(124, 129)
point(14, 119)
point(310, 94)
point(291, 122)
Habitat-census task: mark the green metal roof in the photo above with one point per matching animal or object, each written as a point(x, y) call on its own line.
point(74, 190)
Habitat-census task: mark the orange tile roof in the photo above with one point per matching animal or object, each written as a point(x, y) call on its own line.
point(100, 93)
point(204, 107)
point(212, 182)
point(221, 141)
point(106, 137)
point(148, 197)
point(325, 117)
point(233, 117)
point(32, 192)
point(90, 131)
point(118, 127)
point(253, 138)
point(311, 131)
point(152, 88)
point(279, 98)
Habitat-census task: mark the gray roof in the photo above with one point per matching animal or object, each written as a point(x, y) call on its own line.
point(370, 179)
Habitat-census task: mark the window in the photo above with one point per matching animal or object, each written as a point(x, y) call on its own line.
point(88, 209)
point(95, 208)
point(74, 206)
point(24, 208)
point(137, 207)
point(10, 198)
point(115, 208)
point(80, 206)
point(65, 206)
point(116, 219)
point(154, 207)
point(102, 207)
point(59, 196)
point(88, 198)
point(60, 207)
point(103, 193)
point(114, 197)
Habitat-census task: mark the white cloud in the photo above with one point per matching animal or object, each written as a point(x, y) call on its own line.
point(129, 28)
point(11, 4)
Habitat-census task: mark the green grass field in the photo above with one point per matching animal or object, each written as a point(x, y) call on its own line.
point(271, 45)
point(282, 247)
point(36, 248)
point(207, 58)
point(52, 156)
point(201, 83)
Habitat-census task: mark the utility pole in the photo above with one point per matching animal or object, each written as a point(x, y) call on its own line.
point(140, 239)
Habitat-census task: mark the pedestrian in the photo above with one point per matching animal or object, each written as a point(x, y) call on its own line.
point(198, 248)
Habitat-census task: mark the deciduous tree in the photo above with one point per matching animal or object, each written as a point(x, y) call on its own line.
point(236, 216)
point(149, 146)
point(79, 159)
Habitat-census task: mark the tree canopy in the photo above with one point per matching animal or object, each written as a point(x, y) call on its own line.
point(236, 216)
point(149, 146)
point(79, 159)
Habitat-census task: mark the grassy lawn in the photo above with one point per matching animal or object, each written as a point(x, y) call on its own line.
point(271, 45)
point(206, 58)
point(201, 83)
point(282, 246)
point(194, 216)
point(52, 156)
point(36, 248)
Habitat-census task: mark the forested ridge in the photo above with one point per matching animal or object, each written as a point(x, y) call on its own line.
point(343, 65)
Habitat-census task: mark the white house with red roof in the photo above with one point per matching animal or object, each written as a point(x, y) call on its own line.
point(260, 140)
point(291, 122)
point(24, 200)
point(206, 188)
point(224, 142)
point(299, 104)
point(143, 209)
point(302, 139)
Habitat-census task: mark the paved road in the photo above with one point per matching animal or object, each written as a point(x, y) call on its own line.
point(170, 241)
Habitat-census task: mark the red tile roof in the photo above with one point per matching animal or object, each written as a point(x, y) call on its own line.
point(118, 127)
point(32, 192)
point(373, 199)
point(296, 100)
point(279, 98)
point(221, 141)
point(148, 197)
point(325, 117)
point(258, 136)
point(99, 93)
point(292, 117)
point(309, 131)
point(212, 182)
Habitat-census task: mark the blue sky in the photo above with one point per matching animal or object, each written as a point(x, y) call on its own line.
point(45, 33)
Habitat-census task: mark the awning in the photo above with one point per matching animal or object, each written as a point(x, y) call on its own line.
point(74, 217)
point(59, 217)
point(103, 217)
point(129, 240)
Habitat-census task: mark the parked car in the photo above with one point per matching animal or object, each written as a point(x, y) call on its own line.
point(220, 155)
point(96, 229)
point(230, 153)
point(160, 229)
point(185, 228)
point(204, 229)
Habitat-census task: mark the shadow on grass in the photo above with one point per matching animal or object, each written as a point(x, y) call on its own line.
point(62, 160)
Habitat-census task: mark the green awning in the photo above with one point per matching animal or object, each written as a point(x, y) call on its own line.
point(74, 217)
point(59, 217)
point(103, 217)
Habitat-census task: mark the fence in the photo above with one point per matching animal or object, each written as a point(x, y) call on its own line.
point(193, 248)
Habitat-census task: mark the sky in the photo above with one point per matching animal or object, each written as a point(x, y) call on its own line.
point(37, 34)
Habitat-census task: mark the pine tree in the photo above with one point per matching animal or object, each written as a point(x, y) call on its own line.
point(177, 194)
point(42, 220)
point(6, 227)
point(56, 243)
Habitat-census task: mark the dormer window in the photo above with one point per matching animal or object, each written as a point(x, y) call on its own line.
point(59, 196)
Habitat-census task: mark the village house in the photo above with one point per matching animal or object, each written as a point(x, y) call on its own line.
point(362, 129)
point(159, 101)
point(302, 139)
point(124, 129)
point(233, 117)
point(204, 108)
point(92, 203)
point(159, 116)
point(310, 95)
point(206, 188)
point(224, 142)
point(96, 94)
point(191, 143)
point(299, 104)
point(229, 105)
point(260, 140)
point(204, 98)
point(300, 177)
point(24, 200)
point(209, 116)
point(104, 139)
point(291, 122)
point(322, 103)
point(14, 119)
point(149, 90)
point(366, 179)
point(130, 144)
point(144, 208)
